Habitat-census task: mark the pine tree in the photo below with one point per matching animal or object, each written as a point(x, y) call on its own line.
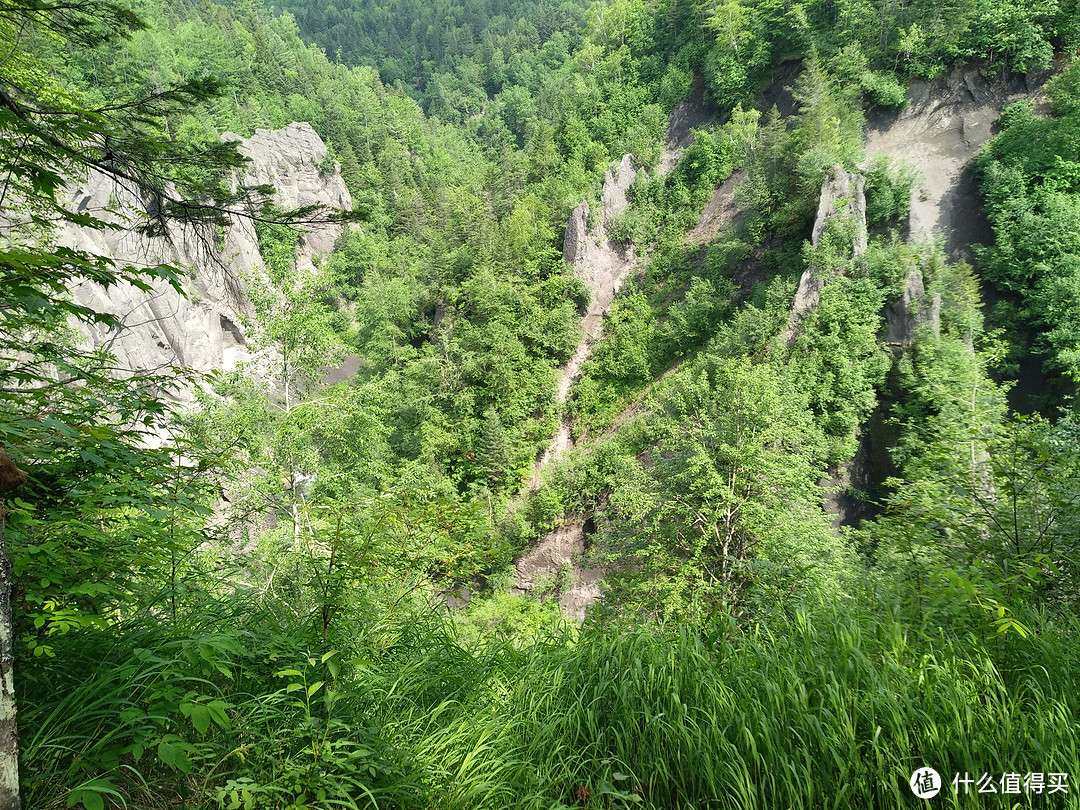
point(494, 448)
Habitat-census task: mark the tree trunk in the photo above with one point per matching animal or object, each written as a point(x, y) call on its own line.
point(10, 477)
point(9, 730)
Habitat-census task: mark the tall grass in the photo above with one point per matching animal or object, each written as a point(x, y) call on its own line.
point(832, 713)
point(833, 710)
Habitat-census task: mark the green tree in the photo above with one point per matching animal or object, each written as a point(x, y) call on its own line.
point(494, 449)
point(727, 514)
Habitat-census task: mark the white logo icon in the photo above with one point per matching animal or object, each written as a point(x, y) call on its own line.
point(925, 783)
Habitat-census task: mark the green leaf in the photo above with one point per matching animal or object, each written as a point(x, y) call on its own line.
point(93, 458)
point(217, 713)
point(90, 794)
point(200, 717)
point(174, 755)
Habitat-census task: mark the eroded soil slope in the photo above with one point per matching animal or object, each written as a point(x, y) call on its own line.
point(938, 133)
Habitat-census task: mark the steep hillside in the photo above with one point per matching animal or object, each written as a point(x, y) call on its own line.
point(929, 148)
point(938, 133)
point(644, 438)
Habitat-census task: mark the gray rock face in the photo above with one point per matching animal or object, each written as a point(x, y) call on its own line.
point(807, 297)
point(904, 317)
point(688, 115)
point(842, 195)
point(162, 328)
point(617, 182)
point(204, 330)
point(720, 212)
point(945, 123)
point(547, 559)
point(584, 248)
point(577, 234)
point(292, 161)
point(603, 264)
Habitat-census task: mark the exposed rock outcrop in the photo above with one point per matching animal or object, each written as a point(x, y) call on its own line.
point(577, 234)
point(904, 317)
point(602, 263)
point(938, 133)
point(613, 200)
point(807, 297)
point(294, 161)
point(204, 330)
point(161, 327)
point(688, 115)
point(842, 195)
point(556, 557)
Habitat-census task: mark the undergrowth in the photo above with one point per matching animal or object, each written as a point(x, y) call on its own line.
point(829, 708)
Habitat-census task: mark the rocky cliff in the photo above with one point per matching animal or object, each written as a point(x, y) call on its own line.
point(205, 328)
point(938, 133)
point(843, 196)
point(602, 263)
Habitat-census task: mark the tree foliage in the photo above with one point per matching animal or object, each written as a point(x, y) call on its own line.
point(724, 517)
point(255, 615)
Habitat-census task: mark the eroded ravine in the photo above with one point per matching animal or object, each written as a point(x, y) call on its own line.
point(938, 134)
point(603, 264)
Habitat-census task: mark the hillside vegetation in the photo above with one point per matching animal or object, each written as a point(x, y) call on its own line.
point(831, 554)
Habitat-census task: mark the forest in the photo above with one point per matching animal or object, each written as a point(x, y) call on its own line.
point(666, 424)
